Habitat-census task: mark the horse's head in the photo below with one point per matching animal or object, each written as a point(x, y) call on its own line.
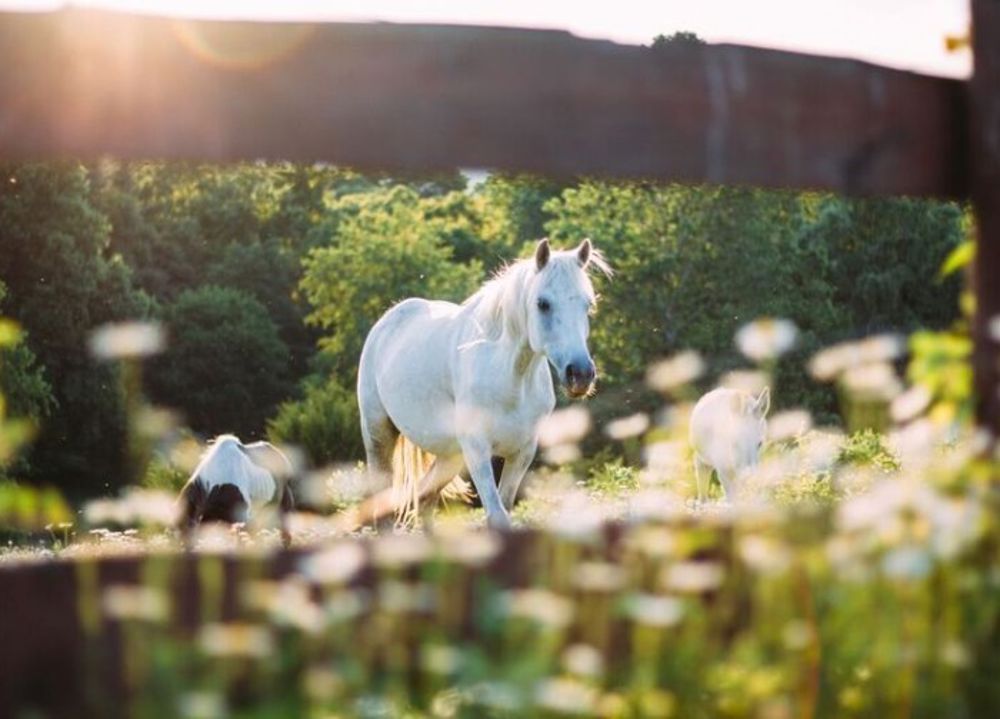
point(560, 300)
point(753, 429)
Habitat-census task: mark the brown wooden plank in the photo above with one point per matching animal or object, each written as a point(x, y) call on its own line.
point(985, 178)
point(86, 83)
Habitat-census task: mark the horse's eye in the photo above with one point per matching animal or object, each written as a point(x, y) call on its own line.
point(544, 306)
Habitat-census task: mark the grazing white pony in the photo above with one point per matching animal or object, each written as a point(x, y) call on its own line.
point(468, 382)
point(728, 427)
point(232, 479)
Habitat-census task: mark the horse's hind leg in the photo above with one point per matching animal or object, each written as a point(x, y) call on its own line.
point(377, 431)
point(702, 476)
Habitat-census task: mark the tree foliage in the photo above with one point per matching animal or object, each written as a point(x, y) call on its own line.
point(270, 276)
point(62, 282)
point(389, 247)
point(225, 367)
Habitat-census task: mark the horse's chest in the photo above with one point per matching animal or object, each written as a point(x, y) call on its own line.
point(515, 426)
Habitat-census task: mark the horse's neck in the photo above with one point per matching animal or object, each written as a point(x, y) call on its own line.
point(525, 359)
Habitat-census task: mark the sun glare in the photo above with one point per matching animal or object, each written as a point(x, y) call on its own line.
point(847, 28)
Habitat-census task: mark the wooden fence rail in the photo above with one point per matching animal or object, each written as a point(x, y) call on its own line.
point(90, 83)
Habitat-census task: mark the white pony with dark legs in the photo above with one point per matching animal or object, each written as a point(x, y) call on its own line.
point(728, 428)
point(468, 382)
point(232, 479)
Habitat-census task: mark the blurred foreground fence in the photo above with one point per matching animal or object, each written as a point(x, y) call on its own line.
point(66, 653)
point(88, 84)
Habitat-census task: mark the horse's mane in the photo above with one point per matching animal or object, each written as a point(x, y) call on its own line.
point(499, 305)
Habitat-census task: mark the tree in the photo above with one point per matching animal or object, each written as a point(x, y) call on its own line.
point(61, 284)
point(681, 37)
point(695, 263)
point(225, 367)
point(514, 213)
point(386, 249)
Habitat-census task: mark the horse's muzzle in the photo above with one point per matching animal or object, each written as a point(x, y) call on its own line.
point(579, 378)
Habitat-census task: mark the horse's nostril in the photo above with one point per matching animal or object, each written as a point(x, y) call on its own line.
point(580, 374)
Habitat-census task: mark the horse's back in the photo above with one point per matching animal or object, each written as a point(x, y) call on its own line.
point(412, 335)
point(406, 371)
point(716, 417)
point(229, 464)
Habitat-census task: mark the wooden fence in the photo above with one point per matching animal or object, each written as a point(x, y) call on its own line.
point(88, 84)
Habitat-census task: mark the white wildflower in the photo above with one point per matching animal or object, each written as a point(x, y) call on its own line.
point(654, 610)
point(539, 605)
point(136, 603)
point(566, 696)
point(766, 339)
point(749, 381)
point(872, 382)
point(625, 427)
point(336, 564)
point(910, 404)
point(236, 640)
point(788, 424)
point(127, 339)
point(565, 426)
point(583, 660)
point(693, 576)
point(677, 371)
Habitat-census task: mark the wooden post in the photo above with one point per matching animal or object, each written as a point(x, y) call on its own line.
point(984, 108)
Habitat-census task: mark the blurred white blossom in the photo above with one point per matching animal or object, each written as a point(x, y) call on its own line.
point(126, 340)
point(564, 426)
point(135, 603)
point(693, 576)
point(788, 424)
point(766, 339)
point(625, 427)
point(583, 660)
point(655, 610)
point(564, 695)
point(872, 382)
point(539, 605)
point(677, 371)
point(336, 564)
point(910, 404)
point(236, 639)
point(750, 381)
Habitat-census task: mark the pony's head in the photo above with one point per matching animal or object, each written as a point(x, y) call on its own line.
point(753, 430)
point(560, 299)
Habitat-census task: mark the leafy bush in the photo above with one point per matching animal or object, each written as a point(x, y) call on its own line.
point(867, 448)
point(325, 424)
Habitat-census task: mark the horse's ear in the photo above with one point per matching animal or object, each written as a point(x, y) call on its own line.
point(583, 252)
point(542, 254)
point(762, 403)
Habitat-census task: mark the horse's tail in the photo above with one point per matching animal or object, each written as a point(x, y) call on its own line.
point(410, 465)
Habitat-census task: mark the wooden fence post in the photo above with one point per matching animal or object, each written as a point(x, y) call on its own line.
point(984, 109)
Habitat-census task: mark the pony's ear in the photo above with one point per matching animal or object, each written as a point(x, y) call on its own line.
point(583, 252)
point(542, 254)
point(762, 403)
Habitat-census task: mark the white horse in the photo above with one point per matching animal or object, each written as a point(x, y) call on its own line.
point(469, 382)
point(232, 479)
point(727, 431)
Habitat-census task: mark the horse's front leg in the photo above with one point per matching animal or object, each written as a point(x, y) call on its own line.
point(478, 457)
point(514, 469)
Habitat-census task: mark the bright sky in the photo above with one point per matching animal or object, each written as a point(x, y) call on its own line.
point(907, 34)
